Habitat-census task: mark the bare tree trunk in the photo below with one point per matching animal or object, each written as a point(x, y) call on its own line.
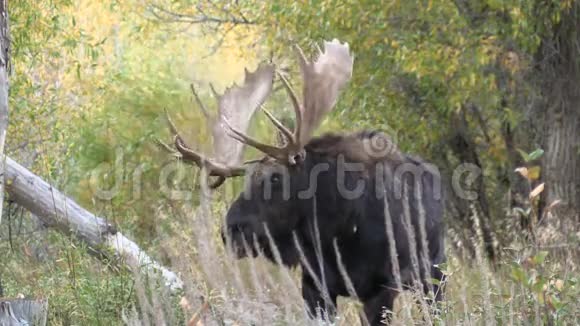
point(463, 147)
point(4, 60)
point(60, 212)
point(559, 64)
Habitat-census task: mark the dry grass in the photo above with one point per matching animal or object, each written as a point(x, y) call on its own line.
point(528, 287)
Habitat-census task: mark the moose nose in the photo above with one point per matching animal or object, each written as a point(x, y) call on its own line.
point(235, 231)
point(236, 237)
point(240, 227)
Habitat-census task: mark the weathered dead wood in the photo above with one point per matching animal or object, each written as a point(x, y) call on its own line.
point(4, 64)
point(62, 213)
point(20, 312)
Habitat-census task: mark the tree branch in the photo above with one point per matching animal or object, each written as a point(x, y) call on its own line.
point(170, 16)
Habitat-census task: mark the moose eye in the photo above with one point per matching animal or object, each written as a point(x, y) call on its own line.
point(275, 178)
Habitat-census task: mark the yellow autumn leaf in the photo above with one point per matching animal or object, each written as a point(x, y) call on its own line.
point(534, 173)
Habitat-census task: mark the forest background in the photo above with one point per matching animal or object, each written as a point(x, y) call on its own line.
point(495, 84)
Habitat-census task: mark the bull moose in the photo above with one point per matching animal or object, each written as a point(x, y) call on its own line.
point(358, 216)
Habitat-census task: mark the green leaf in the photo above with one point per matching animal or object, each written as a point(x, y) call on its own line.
point(521, 211)
point(531, 156)
point(518, 273)
point(536, 154)
point(540, 257)
point(538, 286)
point(524, 155)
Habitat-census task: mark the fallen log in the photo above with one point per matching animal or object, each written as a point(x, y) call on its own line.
point(58, 211)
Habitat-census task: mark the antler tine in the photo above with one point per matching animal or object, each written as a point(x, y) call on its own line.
point(190, 156)
point(214, 168)
point(220, 180)
point(166, 147)
point(295, 104)
point(186, 153)
point(301, 55)
point(200, 103)
point(319, 49)
point(245, 139)
point(287, 133)
point(172, 126)
point(213, 91)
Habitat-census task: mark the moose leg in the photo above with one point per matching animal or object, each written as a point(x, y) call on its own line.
point(436, 274)
point(430, 285)
point(379, 308)
point(316, 304)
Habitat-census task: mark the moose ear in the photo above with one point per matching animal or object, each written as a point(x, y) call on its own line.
point(298, 158)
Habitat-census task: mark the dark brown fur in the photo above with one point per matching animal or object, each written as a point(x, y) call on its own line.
point(356, 147)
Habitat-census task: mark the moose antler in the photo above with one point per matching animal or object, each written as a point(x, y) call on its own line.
point(235, 107)
point(323, 81)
